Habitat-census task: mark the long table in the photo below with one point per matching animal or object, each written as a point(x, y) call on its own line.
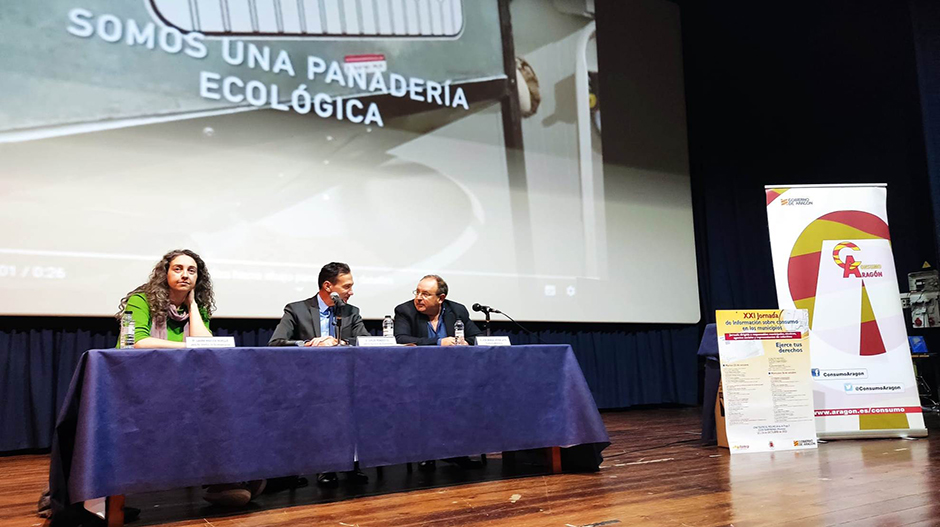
point(145, 420)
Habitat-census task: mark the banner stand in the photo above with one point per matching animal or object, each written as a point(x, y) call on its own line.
point(831, 251)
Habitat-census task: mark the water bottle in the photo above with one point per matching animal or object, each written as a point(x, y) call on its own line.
point(122, 334)
point(127, 331)
point(458, 332)
point(388, 326)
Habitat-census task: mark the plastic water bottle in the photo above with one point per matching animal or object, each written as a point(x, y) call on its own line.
point(388, 326)
point(458, 332)
point(127, 331)
point(122, 336)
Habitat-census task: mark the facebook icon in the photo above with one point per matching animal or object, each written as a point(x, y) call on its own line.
point(815, 372)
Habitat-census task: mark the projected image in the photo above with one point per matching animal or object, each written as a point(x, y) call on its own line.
point(353, 18)
point(274, 136)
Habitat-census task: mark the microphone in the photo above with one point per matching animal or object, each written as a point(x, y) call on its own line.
point(485, 309)
point(337, 301)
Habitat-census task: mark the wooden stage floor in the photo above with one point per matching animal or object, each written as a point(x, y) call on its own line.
point(654, 473)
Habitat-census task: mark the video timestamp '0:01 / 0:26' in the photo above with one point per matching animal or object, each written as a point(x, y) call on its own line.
point(32, 271)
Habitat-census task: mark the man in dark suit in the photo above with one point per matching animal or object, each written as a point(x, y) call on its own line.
point(311, 322)
point(429, 319)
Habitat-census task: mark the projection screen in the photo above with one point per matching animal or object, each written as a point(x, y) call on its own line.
point(273, 136)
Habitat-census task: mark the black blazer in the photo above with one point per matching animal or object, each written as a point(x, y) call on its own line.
point(301, 321)
point(412, 326)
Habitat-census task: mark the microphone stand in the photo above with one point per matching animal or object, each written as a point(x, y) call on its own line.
point(537, 337)
point(487, 310)
point(338, 324)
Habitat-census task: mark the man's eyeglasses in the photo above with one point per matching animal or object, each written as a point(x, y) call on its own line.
point(423, 294)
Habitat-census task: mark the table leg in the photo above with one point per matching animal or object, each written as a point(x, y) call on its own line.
point(114, 511)
point(554, 459)
point(549, 456)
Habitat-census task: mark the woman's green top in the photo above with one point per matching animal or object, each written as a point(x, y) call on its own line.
point(140, 310)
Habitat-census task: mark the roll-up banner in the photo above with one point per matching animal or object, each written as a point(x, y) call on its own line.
point(832, 257)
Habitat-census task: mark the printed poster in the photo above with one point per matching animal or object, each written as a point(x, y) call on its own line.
point(766, 379)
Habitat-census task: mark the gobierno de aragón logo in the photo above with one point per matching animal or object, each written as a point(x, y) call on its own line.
point(790, 202)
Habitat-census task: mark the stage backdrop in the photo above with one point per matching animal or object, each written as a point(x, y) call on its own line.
point(832, 256)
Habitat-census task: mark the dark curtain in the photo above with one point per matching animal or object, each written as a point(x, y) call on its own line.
point(798, 93)
point(37, 358)
point(925, 15)
point(626, 364)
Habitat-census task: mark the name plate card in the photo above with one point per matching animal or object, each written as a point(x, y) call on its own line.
point(210, 342)
point(368, 342)
point(492, 341)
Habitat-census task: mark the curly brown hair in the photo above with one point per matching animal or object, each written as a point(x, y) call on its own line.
point(157, 290)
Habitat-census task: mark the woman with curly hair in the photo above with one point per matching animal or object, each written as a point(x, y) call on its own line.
point(175, 303)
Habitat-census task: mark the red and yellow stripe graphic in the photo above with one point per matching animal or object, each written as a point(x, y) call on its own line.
point(838, 259)
point(774, 193)
point(870, 342)
point(803, 267)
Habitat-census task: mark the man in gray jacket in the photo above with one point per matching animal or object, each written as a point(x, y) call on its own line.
point(312, 322)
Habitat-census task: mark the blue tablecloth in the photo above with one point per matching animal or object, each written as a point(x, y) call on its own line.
point(144, 420)
point(417, 403)
point(709, 349)
point(709, 345)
